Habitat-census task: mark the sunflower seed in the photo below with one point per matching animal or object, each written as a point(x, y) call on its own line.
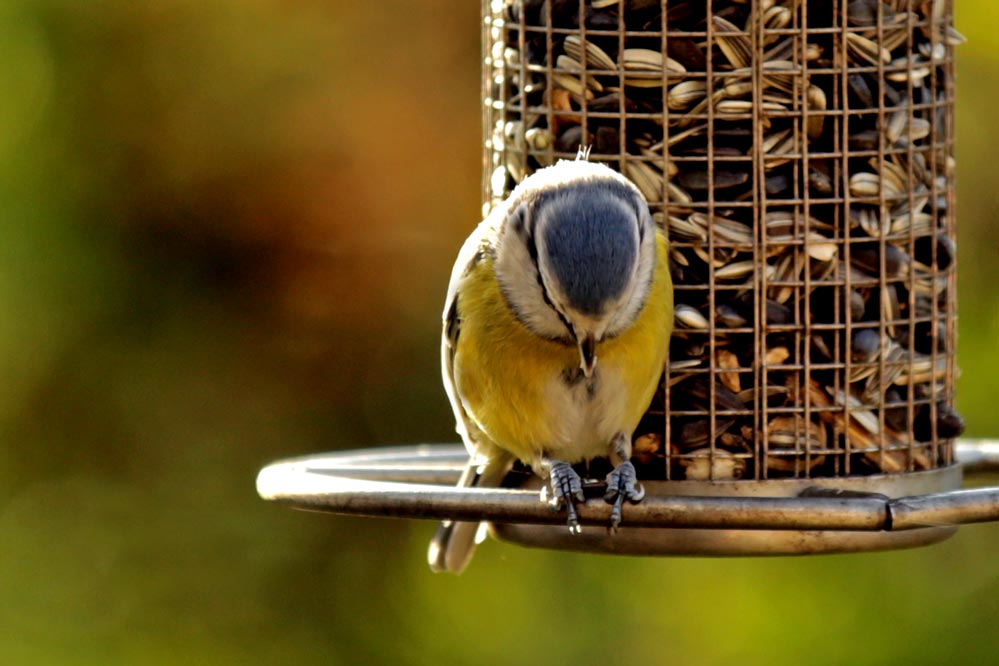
point(715, 465)
point(596, 58)
point(689, 317)
point(866, 49)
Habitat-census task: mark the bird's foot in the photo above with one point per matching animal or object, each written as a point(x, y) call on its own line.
point(567, 489)
point(622, 483)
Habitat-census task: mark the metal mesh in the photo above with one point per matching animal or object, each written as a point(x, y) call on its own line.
point(799, 154)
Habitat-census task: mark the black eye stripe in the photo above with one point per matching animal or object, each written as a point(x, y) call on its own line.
point(517, 220)
point(532, 251)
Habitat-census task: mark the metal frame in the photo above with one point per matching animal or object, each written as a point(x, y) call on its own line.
point(780, 516)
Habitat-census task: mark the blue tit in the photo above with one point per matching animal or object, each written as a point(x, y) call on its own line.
point(556, 327)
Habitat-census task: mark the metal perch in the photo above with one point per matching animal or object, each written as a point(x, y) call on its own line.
point(819, 515)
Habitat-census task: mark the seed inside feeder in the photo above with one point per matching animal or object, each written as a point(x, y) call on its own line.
point(805, 180)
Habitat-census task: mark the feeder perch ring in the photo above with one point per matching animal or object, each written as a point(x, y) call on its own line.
point(767, 517)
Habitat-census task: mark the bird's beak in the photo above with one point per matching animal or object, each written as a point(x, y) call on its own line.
point(587, 354)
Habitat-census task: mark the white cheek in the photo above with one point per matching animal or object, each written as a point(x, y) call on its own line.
point(518, 279)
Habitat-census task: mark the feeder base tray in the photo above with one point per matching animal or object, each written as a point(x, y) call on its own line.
point(736, 542)
point(715, 518)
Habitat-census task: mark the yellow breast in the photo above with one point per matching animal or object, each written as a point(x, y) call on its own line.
point(513, 384)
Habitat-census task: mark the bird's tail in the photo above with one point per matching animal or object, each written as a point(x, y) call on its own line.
point(454, 542)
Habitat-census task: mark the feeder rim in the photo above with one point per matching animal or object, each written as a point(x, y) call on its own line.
point(417, 482)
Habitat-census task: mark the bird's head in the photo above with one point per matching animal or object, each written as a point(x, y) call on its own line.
point(577, 256)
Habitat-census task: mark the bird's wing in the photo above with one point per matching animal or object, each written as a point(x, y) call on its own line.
point(453, 544)
point(476, 247)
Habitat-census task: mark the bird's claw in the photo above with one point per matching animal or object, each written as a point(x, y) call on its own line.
point(622, 483)
point(567, 489)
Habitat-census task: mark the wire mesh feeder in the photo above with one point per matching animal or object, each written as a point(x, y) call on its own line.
point(799, 154)
point(715, 518)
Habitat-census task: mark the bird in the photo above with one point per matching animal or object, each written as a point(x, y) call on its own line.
point(555, 333)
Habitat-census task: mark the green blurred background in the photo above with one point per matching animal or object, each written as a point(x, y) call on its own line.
point(227, 230)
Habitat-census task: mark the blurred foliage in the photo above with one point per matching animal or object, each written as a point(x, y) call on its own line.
point(228, 226)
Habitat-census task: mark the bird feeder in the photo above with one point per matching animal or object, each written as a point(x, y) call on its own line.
point(799, 155)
